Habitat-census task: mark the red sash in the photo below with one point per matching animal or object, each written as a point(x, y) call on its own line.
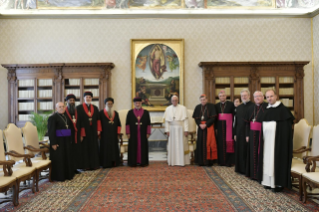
point(74, 124)
point(87, 111)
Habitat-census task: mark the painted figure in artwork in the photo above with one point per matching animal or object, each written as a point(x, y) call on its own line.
point(157, 60)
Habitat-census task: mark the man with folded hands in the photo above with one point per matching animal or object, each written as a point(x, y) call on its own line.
point(60, 145)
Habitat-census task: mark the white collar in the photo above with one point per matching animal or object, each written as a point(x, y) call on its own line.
point(274, 105)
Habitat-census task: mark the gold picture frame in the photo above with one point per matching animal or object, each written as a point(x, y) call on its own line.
point(157, 71)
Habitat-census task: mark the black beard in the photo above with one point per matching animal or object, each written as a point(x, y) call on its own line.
point(71, 108)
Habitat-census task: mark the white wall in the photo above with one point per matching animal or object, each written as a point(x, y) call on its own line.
point(102, 40)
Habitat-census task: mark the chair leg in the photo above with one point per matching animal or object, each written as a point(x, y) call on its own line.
point(304, 190)
point(37, 180)
point(34, 178)
point(15, 195)
point(300, 188)
point(50, 168)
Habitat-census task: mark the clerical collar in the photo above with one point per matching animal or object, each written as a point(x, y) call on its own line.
point(223, 102)
point(246, 102)
point(274, 105)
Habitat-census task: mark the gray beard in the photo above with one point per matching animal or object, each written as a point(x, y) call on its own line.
point(71, 109)
point(109, 111)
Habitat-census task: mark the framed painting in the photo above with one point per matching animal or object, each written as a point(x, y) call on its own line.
point(157, 71)
point(156, 4)
point(70, 4)
point(241, 4)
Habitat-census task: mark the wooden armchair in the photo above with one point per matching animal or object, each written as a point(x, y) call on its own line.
point(192, 133)
point(311, 176)
point(29, 169)
point(300, 143)
point(7, 181)
point(32, 145)
point(123, 140)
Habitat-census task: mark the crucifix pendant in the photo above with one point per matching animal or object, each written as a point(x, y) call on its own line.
point(111, 122)
point(67, 126)
point(138, 118)
point(202, 117)
point(254, 120)
point(89, 113)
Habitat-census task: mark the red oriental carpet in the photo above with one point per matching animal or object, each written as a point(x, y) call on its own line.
point(159, 187)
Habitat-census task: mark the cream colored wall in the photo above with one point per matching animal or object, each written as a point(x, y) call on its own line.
point(101, 40)
point(316, 66)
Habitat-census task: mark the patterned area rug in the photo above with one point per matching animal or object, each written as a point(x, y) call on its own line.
point(159, 187)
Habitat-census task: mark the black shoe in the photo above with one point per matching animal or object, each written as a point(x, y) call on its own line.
point(267, 187)
point(277, 189)
point(77, 171)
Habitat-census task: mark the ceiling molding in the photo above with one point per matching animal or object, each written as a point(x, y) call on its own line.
point(159, 14)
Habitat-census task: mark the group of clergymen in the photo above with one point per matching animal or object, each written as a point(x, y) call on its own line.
point(256, 137)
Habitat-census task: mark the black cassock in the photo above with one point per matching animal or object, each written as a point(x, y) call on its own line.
point(209, 114)
point(132, 128)
point(109, 142)
point(61, 159)
point(240, 144)
point(254, 163)
point(224, 159)
point(283, 143)
point(89, 125)
point(76, 140)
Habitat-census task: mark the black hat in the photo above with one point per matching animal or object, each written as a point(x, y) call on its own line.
point(88, 93)
point(70, 96)
point(137, 99)
point(108, 99)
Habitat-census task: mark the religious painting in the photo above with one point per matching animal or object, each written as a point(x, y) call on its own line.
point(193, 4)
point(71, 4)
point(157, 71)
point(240, 4)
point(156, 4)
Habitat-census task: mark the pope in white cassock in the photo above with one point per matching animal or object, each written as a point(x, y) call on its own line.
point(176, 128)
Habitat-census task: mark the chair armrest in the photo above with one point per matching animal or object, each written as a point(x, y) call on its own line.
point(311, 161)
point(26, 157)
point(43, 151)
point(301, 150)
point(7, 164)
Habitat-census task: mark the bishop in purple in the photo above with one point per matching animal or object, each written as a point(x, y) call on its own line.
point(138, 130)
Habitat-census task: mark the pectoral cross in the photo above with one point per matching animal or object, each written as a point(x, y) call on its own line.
point(138, 123)
point(73, 119)
point(138, 118)
point(89, 113)
point(67, 126)
point(202, 117)
point(111, 122)
point(254, 120)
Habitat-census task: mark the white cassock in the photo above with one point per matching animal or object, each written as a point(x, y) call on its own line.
point(269, 133)
point(176, 123)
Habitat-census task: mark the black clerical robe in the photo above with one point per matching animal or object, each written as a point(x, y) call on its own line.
point(138, 125)
point(109, 142)
point(283, 144)
point(225, 157)
point(76, 140)
point(206, 147)
point(240, 132)
point(254, 164)
point(61, 159)
point(89, 119)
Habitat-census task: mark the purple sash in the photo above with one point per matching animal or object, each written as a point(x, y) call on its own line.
point(63, 133)
point(228, 117)
point(256, 126)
